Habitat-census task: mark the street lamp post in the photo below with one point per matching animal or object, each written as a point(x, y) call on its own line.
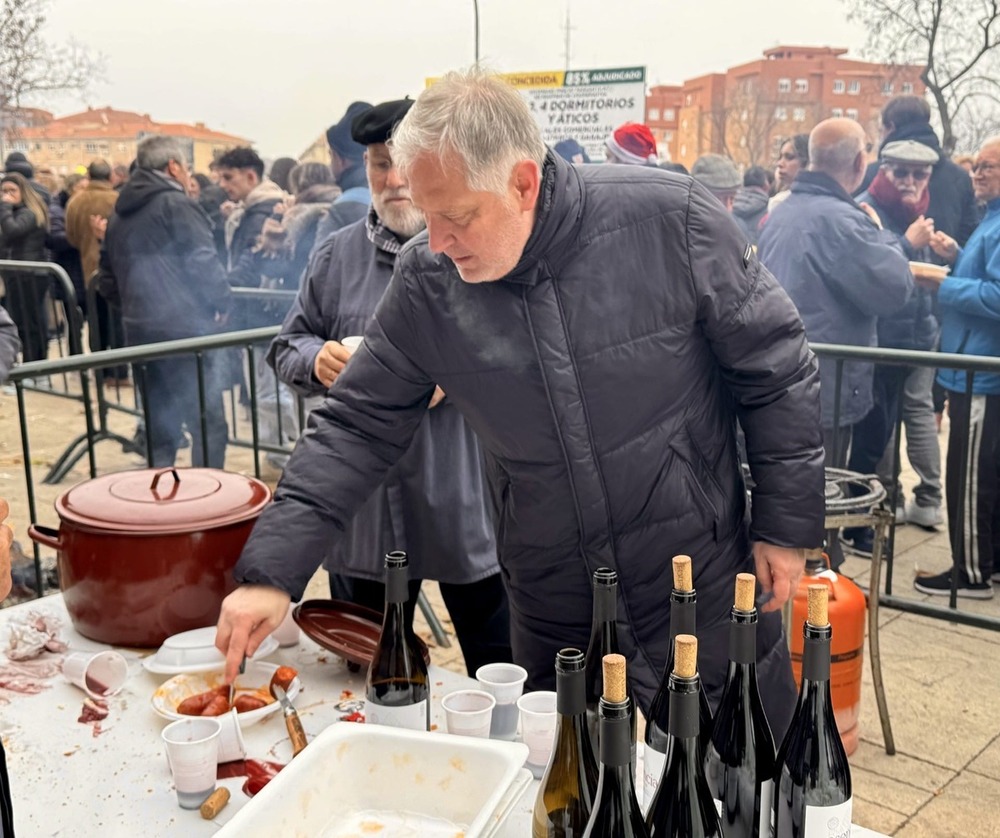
point(475, 10)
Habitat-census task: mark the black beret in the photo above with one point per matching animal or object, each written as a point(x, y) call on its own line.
point(377, 124)
point(338, 135)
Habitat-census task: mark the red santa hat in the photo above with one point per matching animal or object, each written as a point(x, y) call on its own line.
point(632, 143)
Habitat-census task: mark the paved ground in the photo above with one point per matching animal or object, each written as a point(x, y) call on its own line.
point(942, 679)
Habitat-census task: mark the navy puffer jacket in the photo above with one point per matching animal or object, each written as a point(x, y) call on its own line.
point(604, 377)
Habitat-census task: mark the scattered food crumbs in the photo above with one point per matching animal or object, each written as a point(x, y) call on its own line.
point(322, 658)
point(356, 716)
point(434, 727)
point(346, 694)
point(439, 684)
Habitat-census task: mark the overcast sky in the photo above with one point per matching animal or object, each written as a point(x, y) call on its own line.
point(280, 72)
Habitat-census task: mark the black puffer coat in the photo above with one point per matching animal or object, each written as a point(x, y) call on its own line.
point(21, 236)
point(604, 377)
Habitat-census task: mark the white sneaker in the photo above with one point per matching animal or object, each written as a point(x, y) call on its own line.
point(928, 517)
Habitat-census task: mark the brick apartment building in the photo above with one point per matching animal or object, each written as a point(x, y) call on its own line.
point(65, 143)
point(749, 109)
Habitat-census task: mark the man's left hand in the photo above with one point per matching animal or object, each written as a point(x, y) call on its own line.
point(779, 570)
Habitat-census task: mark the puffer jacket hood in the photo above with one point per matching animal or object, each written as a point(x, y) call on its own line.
point(141, 188)
point(750, 202)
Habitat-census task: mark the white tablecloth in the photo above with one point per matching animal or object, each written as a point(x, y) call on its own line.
point(74, 779)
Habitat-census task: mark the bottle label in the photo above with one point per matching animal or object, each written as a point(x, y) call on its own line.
point(828, 821)
point(766, 800)
point(652, 771)
point(718, 807)
point(409, 716)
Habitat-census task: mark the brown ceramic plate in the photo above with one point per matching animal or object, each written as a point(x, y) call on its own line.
point(349, 631)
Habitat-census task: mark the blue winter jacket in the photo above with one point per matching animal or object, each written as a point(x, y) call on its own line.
point(970, 305)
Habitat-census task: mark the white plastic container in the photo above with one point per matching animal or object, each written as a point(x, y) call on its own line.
point(351, 769)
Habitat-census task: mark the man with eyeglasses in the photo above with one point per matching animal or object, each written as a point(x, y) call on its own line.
point(969, 301)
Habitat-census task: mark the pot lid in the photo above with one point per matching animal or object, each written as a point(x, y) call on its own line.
point(166, 500)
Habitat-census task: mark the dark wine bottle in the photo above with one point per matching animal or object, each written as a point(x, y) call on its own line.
point(812, 794)
point(603, 642)
point(682, 621)
point(739, 762)
point(397, 689)
point(616, 811)
point(566, 795)
point(682, 806)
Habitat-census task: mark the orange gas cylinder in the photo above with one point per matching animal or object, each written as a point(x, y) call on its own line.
point(847, 618)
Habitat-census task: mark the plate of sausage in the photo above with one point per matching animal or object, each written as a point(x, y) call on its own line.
point(205, 693)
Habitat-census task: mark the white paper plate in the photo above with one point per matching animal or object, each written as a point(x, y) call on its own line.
point(194, 651)
point(257, 677)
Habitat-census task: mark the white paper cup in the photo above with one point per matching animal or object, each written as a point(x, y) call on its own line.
point(98, 674)
point(505, 682)
point(231, 744)
point(538, 728)
point(352, 342)
point(287, 634)
point(468, 712)
point(192, 752)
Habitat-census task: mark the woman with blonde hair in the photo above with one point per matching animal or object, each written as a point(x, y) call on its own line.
point(24, 224)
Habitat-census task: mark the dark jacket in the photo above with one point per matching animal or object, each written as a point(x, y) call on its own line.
point(299, 224)
point(441, 470)
point(604, 377)
point(953, 201)
point(842, 272)
point(349, 207)
point(969, 300)
point(21, 236)
point(159, 263)
point(10, 343)
point(749, 207)
point(245, 258)
point(914, 326)
point(64, 254)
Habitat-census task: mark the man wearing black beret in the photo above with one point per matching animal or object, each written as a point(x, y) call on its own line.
point(432, 503)
point(347, 165)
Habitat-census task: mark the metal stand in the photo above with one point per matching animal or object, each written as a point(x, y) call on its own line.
point(440, 635)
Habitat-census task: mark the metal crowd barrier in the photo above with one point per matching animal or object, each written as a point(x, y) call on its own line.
point(969, 364)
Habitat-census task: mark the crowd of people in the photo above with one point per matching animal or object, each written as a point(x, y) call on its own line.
point(562, 363)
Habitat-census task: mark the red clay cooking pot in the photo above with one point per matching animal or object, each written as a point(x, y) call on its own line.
point(148, 553)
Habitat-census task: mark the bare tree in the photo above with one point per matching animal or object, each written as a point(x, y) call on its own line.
point(955, 40)
point(30, 66)
point(746, 126)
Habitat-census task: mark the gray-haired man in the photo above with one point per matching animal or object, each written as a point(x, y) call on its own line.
point(600, 328)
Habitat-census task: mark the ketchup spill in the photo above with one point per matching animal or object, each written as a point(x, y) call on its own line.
point(258, 773)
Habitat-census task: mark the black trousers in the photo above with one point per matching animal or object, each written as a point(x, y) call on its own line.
point(25, 301)
point(478, 610)
point(976, 549)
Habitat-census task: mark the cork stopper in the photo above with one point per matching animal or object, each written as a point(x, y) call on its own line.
point(614, 678)
point(818, 599)
point(745, 585)
point(685, 656)
point(683, 580)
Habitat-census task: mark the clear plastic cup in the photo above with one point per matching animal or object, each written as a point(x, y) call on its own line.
point(505, 682)
point(98, 674)
point(538, 728)
point(352, 342)
point(231, 744)
point(192, 751)
point(287, 634)
point(468, 712)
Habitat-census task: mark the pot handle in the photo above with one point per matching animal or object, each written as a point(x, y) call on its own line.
point(156, 480)
point(45, 535)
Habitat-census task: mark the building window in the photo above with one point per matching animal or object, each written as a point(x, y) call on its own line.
point(802, 85)
point(122, 147)
point(784, 85)
point(854, 88)
point(838, 86)
point(837, 113)
point(744, 115)
point(852, 113)
point(743, 142)
point(684, 151)
point(887, 88)
point(669, 115)
point(684, 124)
point(654, 115)
point(781, 113)
point(91, 148)
point(799, 115)
point(687, 99)
point(20, 145)
point(907, 87)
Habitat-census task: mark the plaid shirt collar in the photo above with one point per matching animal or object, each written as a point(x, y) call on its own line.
point(381, 236)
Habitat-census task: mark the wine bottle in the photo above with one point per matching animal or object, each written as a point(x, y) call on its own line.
point(739, 762)
point(397, 689)
point(812, 794)
point(682, 621)
point(603, 642)
point(616, 812)
point(566, 795)
point(682, 806)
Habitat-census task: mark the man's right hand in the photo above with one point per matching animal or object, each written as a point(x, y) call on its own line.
point(249, 614)
point(330, 362)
